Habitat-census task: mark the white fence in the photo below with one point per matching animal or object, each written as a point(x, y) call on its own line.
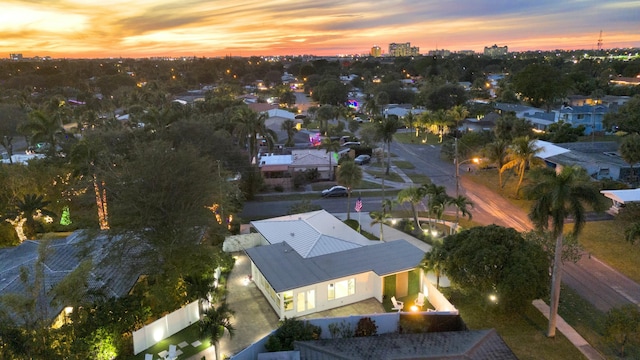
point(165, 327)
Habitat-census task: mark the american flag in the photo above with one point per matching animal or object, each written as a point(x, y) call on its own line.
point(358, 205)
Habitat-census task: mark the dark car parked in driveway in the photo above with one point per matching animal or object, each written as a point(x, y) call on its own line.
point(335, 191)
point(362, 159)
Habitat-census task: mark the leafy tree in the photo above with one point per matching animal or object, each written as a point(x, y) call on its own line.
point(366, 327)
point(10, 118)
point(496, 260)
point(413, 195)
point(330, 91)
point(622, 326)
point(632, 233)
point(446, 97)
point(324, 114)
point(540, 84)
point(558, 196)
point(630, 152)
point(349, 174)
point(214, 322)
point(627, 118)
point(509, 127)
point(521, 155)
point(561, 132)
point(385, 129)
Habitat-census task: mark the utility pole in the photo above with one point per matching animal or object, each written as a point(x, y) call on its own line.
point(455, 161)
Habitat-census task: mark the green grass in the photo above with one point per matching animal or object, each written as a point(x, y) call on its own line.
point(410, 138)
point(391, 177)
point(524, 331)
point(189, 334)
point(406, 165)
point(419, 179)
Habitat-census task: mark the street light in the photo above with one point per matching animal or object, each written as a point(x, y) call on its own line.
point(475, 160)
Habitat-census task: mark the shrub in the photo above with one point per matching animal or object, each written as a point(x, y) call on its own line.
point(366, 327)
point(291, 330)
point(340, 330)
point(278, 188)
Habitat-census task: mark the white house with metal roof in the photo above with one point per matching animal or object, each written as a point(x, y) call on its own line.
point(313, 262)
point(621, 197)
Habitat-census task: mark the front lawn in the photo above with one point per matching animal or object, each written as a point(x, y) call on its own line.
point(410, 138)
point(524, 331)
point(188, 335)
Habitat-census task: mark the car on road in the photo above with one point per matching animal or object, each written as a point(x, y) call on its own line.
point(335, 191)
point(351, 143)
point(362, 159)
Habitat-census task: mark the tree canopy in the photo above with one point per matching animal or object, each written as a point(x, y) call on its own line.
point(496, 260)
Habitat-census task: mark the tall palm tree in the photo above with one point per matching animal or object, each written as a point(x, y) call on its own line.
point(324, 114)
point(349, 175)
point(558, 196)
point(462, 205)
point(434, 261)
point(414, 196)
point(412, 121)
point(290, 127)
point(249, 126)
point(457, 114)
point(630, 153)
point(385, 129)
point(84, 156)
point(214, 322)
point(379, 217)
point(42, 127)
point(496, 152)
point(521, 155)
point(437, 196)
point(330, 147)
point(441, 120)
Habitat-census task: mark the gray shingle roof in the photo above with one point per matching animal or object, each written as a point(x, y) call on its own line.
point(454, 345)
point(113, 278)
point(285, 269)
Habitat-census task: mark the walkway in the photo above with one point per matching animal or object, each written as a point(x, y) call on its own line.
point(576, 339)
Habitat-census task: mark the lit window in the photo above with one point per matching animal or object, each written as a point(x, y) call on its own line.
point(288, 300)
point(341, 289)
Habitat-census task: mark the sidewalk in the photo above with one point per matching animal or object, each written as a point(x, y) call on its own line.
point(576, 339)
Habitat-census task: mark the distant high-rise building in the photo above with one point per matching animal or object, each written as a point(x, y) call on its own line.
point(403, 49)
point(495, 51)
point(441, 53)
point(15, 57)
point(376, 51)
point(466, 52)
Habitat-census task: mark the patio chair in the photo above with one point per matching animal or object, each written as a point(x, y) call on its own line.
point(148, 356)
point(420, 300)
point(172, 352)
point(397, 305)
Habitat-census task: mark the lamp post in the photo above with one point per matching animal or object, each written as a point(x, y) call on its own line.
point(457, 163)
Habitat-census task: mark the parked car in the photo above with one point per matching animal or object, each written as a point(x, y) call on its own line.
point(351, 143)
point(362, 159)
point(335, 191)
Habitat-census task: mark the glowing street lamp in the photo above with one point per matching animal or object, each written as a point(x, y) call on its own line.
point(475, 160)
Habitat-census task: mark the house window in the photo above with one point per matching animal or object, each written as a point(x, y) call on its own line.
point(306, 300)
point(288, 300)
point(341, 289)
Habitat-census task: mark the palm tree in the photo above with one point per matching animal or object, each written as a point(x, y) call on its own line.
point(349, 175)
point(558, 196)
point(462, 205)
point(290, 127)
point(434, 261)
point(385, 129)
point(44, 128)
point(330, 147)
point(496, 152)
point(23, 216)
point(84, 156)
point(379, 217)
point(324, 114)
point(249, 126)
point(630, 153)
point(214, 322)
point(414, 196)
point(412, 121)
point(441, 120)
point(436, 195)
point(458, 113)
point(521, 155)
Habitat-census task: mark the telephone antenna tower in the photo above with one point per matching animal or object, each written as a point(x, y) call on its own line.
point(600, 41)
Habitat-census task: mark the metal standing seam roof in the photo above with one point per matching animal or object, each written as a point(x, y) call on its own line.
point(311, 234)
point(548, 149)
point(622, 196)
point(285, 269)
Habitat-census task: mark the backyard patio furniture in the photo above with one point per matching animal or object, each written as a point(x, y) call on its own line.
point(420, 300)
point(397, 305)
point(172, 352)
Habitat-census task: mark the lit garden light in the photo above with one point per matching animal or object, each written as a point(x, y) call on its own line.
point(493, 298)
point(414, 308)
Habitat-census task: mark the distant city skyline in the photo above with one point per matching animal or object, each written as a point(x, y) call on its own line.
point(170, 28)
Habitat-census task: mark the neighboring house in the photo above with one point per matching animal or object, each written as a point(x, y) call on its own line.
point(601, 160)
point(402, 110)
point(621, 197)
point(302, 160)
point(311, 262)
point(540, 121)
point(109, 277)
point(589, 116)
point(519, 110)
point(481, 123)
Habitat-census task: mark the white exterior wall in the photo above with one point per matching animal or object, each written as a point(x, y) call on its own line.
point(367, 285)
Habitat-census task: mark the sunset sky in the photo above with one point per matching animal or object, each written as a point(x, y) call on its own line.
point(144, 28)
